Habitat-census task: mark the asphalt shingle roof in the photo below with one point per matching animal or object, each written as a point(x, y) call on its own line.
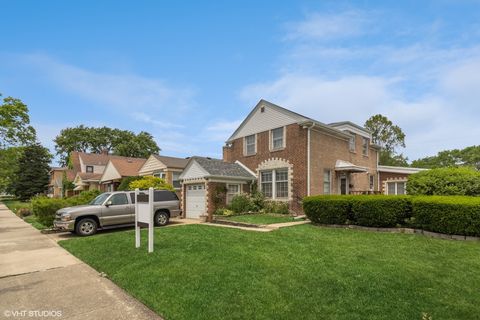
point(172, 162)
point(217, 167)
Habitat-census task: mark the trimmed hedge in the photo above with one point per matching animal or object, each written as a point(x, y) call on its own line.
point(328, 209)
point(444, 214)
point(380, 211)
point(451, 215)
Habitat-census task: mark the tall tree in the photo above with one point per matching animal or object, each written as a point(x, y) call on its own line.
point(389, 137)
point(15, 128)
point(96, 140)
point(32, 173)
point(468, 157)
point(9, 158)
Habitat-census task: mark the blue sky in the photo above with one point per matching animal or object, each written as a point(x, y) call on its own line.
point(189, 71)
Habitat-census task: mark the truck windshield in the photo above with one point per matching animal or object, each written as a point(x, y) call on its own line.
point(100, 199)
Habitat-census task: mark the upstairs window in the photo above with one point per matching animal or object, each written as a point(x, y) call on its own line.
point(250, 145)
point(365, 143)
point(277, 138)
point(351, 142)
point(89, 169)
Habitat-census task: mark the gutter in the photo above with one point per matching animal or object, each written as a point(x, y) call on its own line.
point(308, 155)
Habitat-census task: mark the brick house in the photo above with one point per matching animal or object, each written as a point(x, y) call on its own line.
point(393, 180)
point(292, 156)
point(118, 168)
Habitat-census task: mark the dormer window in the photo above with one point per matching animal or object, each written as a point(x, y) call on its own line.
point(277, 138)
point(250, 145)
point(89, 169)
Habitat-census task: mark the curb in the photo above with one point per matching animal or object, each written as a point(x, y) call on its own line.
point(402, 230)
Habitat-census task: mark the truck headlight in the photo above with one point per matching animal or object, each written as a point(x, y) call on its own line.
point(66, 217)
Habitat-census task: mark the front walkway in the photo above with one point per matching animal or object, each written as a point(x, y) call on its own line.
point(39, 277)
point(260, 228)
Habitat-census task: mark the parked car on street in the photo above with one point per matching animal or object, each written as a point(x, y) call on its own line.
point(114, 209)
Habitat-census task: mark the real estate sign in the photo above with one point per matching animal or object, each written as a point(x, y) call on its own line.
point(144, 216)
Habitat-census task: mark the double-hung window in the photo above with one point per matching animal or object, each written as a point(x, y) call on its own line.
point(365, 143)
point(351, 142)
point(277, 136)
point(232, 191)
point(176, 180)
point(274, 183)
point(327, 181)
point(160, 174)
point(396, 188)
point(250, 145)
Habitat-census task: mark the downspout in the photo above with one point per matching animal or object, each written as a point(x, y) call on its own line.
point(308, 157)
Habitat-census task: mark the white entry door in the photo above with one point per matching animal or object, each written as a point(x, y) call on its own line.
point(195, 201)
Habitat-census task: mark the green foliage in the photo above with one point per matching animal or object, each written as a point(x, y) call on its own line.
point(23, 212)
point(66, 184)
point(330, 209)
point(218, 195)
point(125, 183)
point(15, 126)
point(9, 159)
point(151, 182)
point(451, 215)
point(445, 214)
point(380, 211)
point(44, 208)
point(257, 199)
point(32, 173)
point(279, 207)
point(468, 157)
point(224, 212)
point(445, 181)
point(241, 203)
point(389, 137)
point(97, 140)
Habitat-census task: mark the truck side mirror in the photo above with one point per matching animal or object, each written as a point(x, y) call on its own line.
point(108, 204)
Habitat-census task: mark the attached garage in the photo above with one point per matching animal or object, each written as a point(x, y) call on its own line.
point(195, 200)
point(202, 177)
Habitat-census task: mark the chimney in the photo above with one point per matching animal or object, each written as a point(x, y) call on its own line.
point(105, 152)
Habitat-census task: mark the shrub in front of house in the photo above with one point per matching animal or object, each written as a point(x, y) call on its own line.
point(150, 182)
point(328, 209)
point(23, 212)
point(125, 183)
point(445, 181)
point(278, 207)
point(380, 211)
point(241, 203)
point(223, 212)
point(44, 208)
point(451, 215)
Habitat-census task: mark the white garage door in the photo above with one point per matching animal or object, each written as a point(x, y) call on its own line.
point(195, 201)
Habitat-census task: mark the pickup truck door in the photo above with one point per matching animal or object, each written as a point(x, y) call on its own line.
point(118, 210)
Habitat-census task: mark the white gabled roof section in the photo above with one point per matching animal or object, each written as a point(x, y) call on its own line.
point(401, 170)
point(352, 127)
point(151, 165)
point(110, 173)
point(193, 171)
point(272, 117)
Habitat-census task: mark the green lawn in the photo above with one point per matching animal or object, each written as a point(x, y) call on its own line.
point(259, 218)
point(14, 204)
point(35, 223)
point(301, 272)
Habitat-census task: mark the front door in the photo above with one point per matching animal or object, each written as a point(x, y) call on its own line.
point(118, 211)
point(344, 185)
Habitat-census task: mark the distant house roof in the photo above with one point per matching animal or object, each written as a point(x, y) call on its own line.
point(89, 176)
point(172, 162)
point(127, 167)
point(215, 168)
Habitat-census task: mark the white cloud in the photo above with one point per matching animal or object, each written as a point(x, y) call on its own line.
point(221, 130)
point(164, 123)
point(319, 26)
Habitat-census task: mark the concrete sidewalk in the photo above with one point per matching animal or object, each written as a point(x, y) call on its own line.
point(36, 275)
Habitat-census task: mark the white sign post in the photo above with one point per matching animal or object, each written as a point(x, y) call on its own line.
point(144, 216)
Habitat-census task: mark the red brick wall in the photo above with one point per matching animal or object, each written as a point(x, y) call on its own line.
point(295, 152)
point(211, 187)
point(391, 176)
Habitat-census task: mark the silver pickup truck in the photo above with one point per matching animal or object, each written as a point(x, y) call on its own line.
point(114, 209)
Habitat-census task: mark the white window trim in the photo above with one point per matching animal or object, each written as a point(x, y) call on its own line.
point(395, 182)
point(270, 138)
point(354, 137)
point(245, 145)
point(274, 183)
point(368, 146)
point(160, 174)
point(329, 182)
point(233, 194)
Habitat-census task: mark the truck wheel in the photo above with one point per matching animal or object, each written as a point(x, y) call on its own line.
point(86, 227)
point(161, 218)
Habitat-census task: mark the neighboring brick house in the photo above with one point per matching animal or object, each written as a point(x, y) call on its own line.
point(293, 156)
point(168, 168)
point(57, 175)
point(393, 180)
point(208, 183)
point(118, 168)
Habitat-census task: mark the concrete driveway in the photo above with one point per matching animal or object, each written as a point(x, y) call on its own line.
point(40, 279)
